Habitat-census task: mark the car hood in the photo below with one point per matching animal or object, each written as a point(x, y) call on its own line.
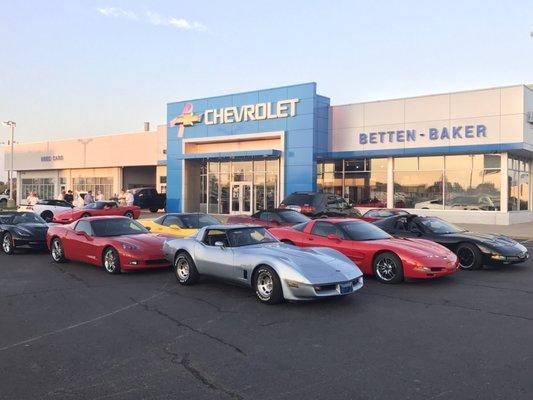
point(144, 240)
point(418, 247)
point(34, 229)
point(486, 238)
point(314, 264)
point(69, 213)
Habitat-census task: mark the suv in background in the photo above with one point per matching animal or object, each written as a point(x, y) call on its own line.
point(147, 197)
point(320, 205)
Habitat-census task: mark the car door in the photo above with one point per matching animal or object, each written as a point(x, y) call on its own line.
point(215, 260)
point(79, 245)
point(318, 233)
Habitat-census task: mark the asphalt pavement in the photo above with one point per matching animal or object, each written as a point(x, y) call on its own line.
point(72, 331)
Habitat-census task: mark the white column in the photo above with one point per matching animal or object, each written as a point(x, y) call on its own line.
point(390, 183)
point(530, 182)
point(504, 192)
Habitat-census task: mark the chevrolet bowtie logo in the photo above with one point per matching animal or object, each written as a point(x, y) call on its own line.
point(187, 118)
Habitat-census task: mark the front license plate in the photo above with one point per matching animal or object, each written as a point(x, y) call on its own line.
point(345, 287)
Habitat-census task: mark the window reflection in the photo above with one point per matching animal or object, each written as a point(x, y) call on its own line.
point(518, 184)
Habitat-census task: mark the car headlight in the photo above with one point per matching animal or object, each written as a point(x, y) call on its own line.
point(129, 246)
point(485, 249)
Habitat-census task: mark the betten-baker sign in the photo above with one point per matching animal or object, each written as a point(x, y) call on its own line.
point(411, 135)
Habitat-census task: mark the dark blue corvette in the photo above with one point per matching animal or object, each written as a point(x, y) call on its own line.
point(22, 230)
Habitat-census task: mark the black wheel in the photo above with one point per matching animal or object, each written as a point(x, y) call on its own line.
point(47, 215)
point(185, 269)
point(57, 251)
point(267, 285)
point(153, 210)
point(85, 215)
point(129, 214)
point(7, 243)
point(111, 261)
point(469, 256)
point(388, 268)
point(287, 241)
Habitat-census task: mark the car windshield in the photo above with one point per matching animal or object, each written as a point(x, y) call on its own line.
point(195, 221)
point(437, 225)
point(249, 236)
point(5, 218)
point(292, 217)
point(26, 218)
point(117, 227)
point(359, 230)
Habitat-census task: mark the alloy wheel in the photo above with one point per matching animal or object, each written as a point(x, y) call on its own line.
point(466, 257)
point(182, 269)
point(57, 251)
point(386, 269)
point(110, 261)
point(6, 244)
point(265, 284)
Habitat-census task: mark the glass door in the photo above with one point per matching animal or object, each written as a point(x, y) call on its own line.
point(241, 198)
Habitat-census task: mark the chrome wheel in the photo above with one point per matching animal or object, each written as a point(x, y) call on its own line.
point(182, 269)
point(466, 257)
point(386, 269)
point(110, 261)
point(6, 244)
point(129, 214)
point(265, 284)
point(57, 250)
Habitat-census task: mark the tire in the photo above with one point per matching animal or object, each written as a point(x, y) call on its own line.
point(111, 261)
point(267, 285)
point(185, 269)
point(128, 214)
point(388, 268)
point(85, 215)
point(153, 209)
point(469, 256)
point(8, 247)
point(47, 215)
point(57, 251)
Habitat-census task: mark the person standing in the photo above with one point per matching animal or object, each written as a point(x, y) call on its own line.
point(69, 197)
point(88, 199)
point(100, 196)
point(79, 203)
point(129, 198)
point(122, 198)
point(61, 195)
point(32, 199)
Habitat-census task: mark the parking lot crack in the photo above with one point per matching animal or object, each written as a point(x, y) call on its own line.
point(70, 274)
point(204, 380)
point(181, 324)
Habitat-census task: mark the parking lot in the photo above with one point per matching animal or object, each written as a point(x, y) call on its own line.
point(72, 331)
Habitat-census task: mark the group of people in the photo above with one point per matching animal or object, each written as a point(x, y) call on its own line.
point(125, 198)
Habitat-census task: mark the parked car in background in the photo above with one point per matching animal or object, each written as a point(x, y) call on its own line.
point(3, 199)
point(319, 205)
point(148, 197)
point(47, 209)
point(98, 208)
point(483, 202)
point(270, 218)
point(473, 249)
point(179, 224)
point(251, 256)
point(376, 252)
point(116, 243)
point(380, 213)
point(22, 230)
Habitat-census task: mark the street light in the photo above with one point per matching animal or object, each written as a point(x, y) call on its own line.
point(12, 124)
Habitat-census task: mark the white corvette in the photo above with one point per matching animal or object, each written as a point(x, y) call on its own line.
point(46, 209)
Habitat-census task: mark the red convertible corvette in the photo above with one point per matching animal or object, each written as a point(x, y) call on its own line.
point(270, 218)
point(373, 250)
point(116, 243)
point(97, 209)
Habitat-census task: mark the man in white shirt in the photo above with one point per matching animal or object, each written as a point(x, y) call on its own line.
point(32, 199)
point(100, 196)
point(129, 198)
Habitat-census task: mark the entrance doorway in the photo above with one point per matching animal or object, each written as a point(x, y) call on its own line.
point(241, 198)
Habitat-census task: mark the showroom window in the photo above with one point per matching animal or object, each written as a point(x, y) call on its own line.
point(362, 181)
point(458, 182)
point(103, 184)
point(518, 184)
point(44, 187)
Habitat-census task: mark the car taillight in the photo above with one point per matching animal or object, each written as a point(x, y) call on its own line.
point(307, 209)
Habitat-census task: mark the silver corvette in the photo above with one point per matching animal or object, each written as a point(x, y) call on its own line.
point(250, 255)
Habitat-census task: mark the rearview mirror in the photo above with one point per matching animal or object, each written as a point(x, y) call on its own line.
point(220, 244)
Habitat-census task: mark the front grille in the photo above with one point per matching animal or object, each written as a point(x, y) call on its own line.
point(436, 269)
point(158, 261)
point(325, 288)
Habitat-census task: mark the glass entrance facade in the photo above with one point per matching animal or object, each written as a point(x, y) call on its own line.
point(239, 187)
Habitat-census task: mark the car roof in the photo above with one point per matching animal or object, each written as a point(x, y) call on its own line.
point(103, 217)
point(339, 220)
point(222, 227)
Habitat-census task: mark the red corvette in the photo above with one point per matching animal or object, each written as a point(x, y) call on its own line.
point(116, 243)
point(270, 218)
point(97, 209)
point(374, 251)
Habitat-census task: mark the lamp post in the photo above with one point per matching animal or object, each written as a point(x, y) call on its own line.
point(12, 125)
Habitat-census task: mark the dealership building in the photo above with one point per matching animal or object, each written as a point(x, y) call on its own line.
point(465, 156)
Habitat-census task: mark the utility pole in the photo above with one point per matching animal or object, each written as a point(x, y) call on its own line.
point(12, 125)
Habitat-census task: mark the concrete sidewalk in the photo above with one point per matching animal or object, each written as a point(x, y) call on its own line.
point(518, 231)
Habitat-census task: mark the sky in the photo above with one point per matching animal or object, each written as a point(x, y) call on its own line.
point(91, 67)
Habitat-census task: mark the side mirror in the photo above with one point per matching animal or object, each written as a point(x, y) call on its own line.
point(148, 228)
point(220, 244)
point(174, 226)
point(334, 237)
point(274, 222)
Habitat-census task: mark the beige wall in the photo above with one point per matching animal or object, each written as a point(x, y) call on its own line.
point(528, 107)
point(501, 110)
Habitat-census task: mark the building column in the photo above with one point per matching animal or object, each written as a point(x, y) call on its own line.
point(504, 191)
point(390, 183)
point(530, 185)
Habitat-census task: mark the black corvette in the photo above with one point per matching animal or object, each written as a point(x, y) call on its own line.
point(473, 249)
point(22, 230)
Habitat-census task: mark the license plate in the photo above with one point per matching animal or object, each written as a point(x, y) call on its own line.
point(345, 287)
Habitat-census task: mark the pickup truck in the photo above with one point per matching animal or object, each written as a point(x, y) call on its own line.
point(147, 197)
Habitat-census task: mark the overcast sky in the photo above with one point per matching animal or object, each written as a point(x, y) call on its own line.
point(85, 67)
